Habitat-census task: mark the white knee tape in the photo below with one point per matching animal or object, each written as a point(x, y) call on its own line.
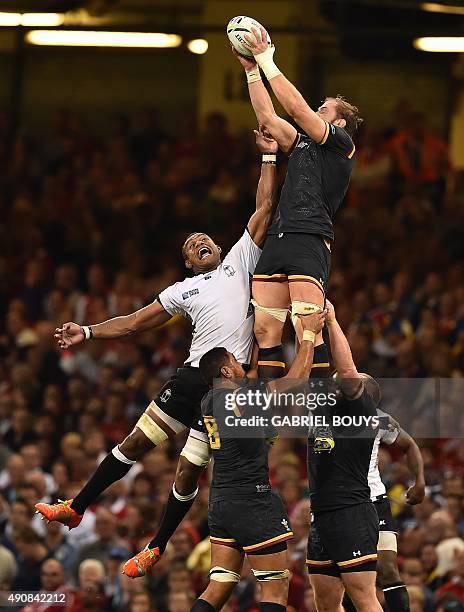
point(220, 574)
point(303, 308)
point(151, 429)
point(196, 449)
point(387, 541)
point(277, 313)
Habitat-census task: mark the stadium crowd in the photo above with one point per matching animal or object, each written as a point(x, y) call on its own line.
point(91, 228)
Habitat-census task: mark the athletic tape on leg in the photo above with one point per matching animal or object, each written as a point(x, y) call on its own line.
point(196, 451)
point(221, 574)
point(278, 313)
point(266, 575)
point(303, 308)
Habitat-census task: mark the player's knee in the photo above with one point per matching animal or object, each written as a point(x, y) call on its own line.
point(275, 591)
point(387, 572)
point(326, 602)
point(135, 445)
point(187, 476)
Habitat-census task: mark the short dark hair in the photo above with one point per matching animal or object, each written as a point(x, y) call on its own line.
point(184, 252)
point(212, 362)
point(348, 112)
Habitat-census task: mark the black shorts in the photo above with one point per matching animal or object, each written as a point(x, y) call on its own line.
point(257, 525)
point(181, 396)
point(386, 520)
point(294, 257)
point(343, 541)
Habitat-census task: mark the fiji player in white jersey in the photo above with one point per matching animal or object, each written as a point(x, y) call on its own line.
point(388, 576)
point(217, 301)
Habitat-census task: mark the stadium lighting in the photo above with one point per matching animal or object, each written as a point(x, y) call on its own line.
point(440, 44)
point(83, 38)
point(433, 7)
point(31, 19)
point(198, 46)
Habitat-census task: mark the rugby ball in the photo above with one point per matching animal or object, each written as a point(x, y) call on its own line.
point(238, 28)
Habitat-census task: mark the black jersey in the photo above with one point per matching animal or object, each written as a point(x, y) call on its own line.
point(340, 478)
point(240, 468)
point(317, 179)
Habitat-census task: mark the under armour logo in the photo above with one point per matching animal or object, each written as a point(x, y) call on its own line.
point(382, 523)
point(356, 553)
point(285, 524)
point(165, 396)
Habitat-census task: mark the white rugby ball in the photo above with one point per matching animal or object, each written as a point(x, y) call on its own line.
point(238, 28)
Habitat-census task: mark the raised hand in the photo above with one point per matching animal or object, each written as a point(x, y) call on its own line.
point(264, 141)
point(259, 44)
point(68, 335)
point(313, 322)
point(247, 62)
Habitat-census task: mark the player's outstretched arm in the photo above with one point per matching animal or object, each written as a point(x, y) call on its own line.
point(299, 370)
point(341, 354)
point(407, 444)
point(267, 187)
point(287, 94)
point(150, 316)
point(282, 131)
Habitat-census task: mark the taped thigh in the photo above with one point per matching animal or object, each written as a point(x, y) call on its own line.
point(277, 313)
point(196, 449)
point(267, 575)
point(220, 574)
point(387, 541)
point(303, 308)
point(151, 429)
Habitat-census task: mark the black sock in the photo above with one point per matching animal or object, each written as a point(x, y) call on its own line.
point(173, 515)
point(396, 596)
point(321, 365)
point(348, 604)
point(320, 369)
point(202, 606)
point(271, 362)
point(271, 607)
point(110, 470)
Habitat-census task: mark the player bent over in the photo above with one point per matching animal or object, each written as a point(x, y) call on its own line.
point(294, 267)
point(342, 546)
point(245, 516)
point(388, 576)
point(217, 301)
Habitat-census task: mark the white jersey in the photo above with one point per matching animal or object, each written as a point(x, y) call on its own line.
point(218, 303)
point(388, 433)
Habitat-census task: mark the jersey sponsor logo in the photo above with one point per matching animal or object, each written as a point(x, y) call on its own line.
point(166, 395)
point(285, 524)
point(302, 144)
point(188, 294)
point(207, 277)
point(263, 488)
point(229, 270)
point(356, 553)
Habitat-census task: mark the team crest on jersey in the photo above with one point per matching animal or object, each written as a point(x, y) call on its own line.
point(166, 395)
point(188, 294)
point(229, 270)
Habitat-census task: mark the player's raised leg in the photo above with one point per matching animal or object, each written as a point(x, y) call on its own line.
point(226, 566)
point(271, 300)
point(153, 427)
point(192, 462)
